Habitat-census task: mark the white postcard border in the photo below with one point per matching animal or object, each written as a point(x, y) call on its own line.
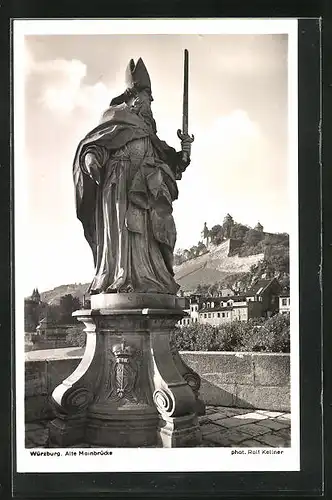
point(156, 459)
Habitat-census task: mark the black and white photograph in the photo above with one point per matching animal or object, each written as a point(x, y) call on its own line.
point(156, 245)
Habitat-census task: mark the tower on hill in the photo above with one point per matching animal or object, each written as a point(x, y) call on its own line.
point(35, 297)
point(205, 235)
point(259, 227)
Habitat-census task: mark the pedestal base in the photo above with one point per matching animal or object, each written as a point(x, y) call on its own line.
point(181, 432)
point(123, 430)
point(131, 388)
point(66, 432)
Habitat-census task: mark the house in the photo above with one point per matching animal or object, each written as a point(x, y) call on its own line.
point(266, 292)
point(185, 305)
point(50, 335)
point(32, 308)
point(191, 306)
point(215, 316)
point(284, 303)
point(261, 300)
point(225, 309)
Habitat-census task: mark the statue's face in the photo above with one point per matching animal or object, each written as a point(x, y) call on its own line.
point(141, 104)
point(142, 100)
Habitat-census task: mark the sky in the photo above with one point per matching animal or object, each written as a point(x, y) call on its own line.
point(237, 112)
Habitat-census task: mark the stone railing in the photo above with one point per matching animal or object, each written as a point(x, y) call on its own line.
point(44, 370)
point(245, 380)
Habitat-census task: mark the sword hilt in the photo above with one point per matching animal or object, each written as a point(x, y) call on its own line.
point(182, 136)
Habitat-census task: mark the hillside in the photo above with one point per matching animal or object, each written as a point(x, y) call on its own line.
point(204, 270)
point(213, 266)
point(53, 296)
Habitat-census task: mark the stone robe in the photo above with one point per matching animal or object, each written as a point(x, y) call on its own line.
point(127, 217)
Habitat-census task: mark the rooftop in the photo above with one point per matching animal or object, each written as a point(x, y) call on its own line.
point(259, 286)
point(215, 309)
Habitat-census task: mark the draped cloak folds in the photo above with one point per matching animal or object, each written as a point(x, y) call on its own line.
point(127, 217)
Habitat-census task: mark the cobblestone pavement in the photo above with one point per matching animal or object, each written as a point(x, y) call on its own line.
point(237, 427)
point(221, 426)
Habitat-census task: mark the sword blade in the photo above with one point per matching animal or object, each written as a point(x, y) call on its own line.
point(185, 93)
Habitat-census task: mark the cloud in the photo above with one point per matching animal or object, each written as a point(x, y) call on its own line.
point(61, 88)
point(232, 128)
point(232, 140)
point(246, 58)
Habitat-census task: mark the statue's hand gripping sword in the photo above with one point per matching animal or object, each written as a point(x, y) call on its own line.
point(183, 135)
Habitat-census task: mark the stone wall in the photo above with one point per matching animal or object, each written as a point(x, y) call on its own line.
point(44, 370)
point(233, 245)
point(244, 380)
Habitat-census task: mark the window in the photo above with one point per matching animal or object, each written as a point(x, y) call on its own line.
point(218, 315)
point(205, 315)
point(208, 304)
point(212, 304)
point(223, 315)
point(209, 315)
point(284, 302)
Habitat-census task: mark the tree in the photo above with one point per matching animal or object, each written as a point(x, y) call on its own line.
point(193, 252)
point(53, 313)
point(284, 282)
point(258, 334)
point(239, 231)
point(201, 248)
point(273, 336)
point(179, 257)
point(276, 239)
point(31, 315)
point(237, 282)
point(252, 238)
point(76, 337)
point(186, 254)
point(213, 290)
point(227, 225)
point(205, 233)
point(279, 264)
point(201, 289)
point(68, 304)
point(217, 234)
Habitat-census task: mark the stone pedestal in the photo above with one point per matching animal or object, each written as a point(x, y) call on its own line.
point(131, 388)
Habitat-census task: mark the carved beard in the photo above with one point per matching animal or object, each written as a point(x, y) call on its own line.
point(145, 112)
